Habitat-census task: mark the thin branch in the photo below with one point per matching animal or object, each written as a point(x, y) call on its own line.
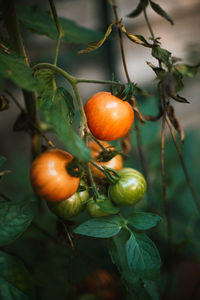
point(154, 118)
point(71, 78)
point(93, 184)
point(55, 16)
point(187, 176)
point(164, 184)
point(59, 28)
point(138, 137)
point(97, 141)
point(114, 7)
point(5, 197)
point(82, 80)
point(148, 24)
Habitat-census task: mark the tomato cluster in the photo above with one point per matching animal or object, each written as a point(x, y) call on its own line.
point(108, 118)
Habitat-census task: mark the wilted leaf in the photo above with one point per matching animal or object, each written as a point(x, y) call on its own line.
point(175, 122)
point(138, 39)
point(139, 9)
point(161, 12)
point(14, 219)
point(159, 71)
point(13, 67)
point(187, 70)
point(104, 227)
point(143, 221)
point(142, 256)
point(178, 98)
point(41, 22)
point(161, 54)
point(15, 281)
point(95, 45)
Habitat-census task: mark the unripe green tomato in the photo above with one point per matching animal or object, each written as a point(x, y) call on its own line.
point(72, 206)
point(94, 210)
point(129, 189)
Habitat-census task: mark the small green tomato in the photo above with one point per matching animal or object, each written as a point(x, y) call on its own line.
point(94, 209)
point(129, 189)
point(71, 206)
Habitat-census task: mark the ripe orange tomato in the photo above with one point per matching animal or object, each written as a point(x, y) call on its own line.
point(108, 117)
point(49, 176)
point(115, 163)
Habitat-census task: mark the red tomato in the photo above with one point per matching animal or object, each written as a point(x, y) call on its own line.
point(115, 163)
point(108, 117)
point(49, 176)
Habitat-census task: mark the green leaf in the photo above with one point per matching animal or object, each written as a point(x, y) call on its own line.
point(2, 160)
point(95, 45)
point(143, 221)
point(139, 9)
point(41, 22)
point(13, 67)
point(161, 54)
point(14, 220)
point(108, 206)
point(161, 12)
point(104, 227)
point(143, 256)
point(138, 39)
point(187, 70)
point(58, 110)
point(133, 283)
point(15, 281)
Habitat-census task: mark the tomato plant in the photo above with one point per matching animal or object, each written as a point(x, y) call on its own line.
point(129, 189)
point(115, 162)
point(108, 117)
point(49, 176)
point(42, 110)
point(71, 206)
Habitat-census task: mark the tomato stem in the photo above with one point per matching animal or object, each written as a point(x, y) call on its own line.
point(93, 184)
point(97, 141)
point(71, 78)
point(59, 28)
point(107, 172)
point(148, 24)
point(83, 125)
